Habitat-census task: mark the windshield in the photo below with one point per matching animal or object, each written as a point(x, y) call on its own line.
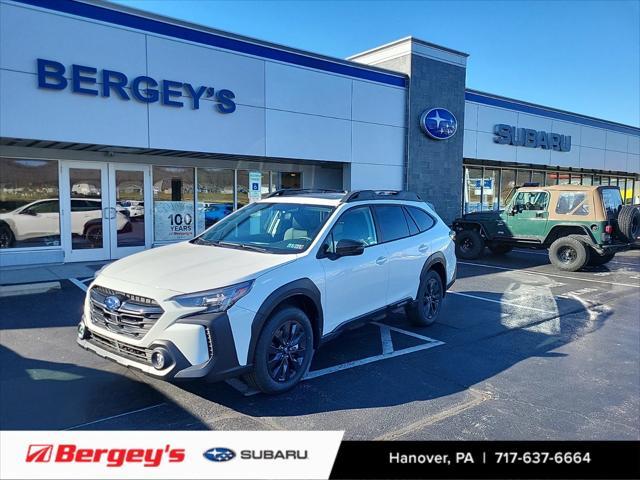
point(268, 227)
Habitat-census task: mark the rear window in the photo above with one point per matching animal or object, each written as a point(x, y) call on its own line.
point(612, 201)
point(573, 203)
point(422, 218)
point(391, 222)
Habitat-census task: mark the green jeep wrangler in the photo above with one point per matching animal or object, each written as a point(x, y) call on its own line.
point(580, 225)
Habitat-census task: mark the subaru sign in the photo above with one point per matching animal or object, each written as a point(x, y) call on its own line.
point(439, 123)
point(528, 137)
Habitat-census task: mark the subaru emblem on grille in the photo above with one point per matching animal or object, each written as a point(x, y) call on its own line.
point(112, 303)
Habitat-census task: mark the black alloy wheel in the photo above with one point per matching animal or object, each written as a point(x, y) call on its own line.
point(567, 254)
point(432, 298)
point(286, 354)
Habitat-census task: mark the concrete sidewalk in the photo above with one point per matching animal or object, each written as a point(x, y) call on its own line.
point(47, 273)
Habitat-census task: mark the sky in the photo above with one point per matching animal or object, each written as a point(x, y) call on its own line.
point(580, 56)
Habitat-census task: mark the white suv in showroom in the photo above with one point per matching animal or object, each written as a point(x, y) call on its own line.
point(257, 293)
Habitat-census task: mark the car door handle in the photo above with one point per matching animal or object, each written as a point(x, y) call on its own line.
point(423, 248)
point(381, 260)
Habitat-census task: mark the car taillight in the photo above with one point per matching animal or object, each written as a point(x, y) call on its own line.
point(608, 229)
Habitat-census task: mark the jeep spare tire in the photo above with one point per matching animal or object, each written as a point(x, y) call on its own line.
point(469, 244)
point(569, 254)
point(629, 222)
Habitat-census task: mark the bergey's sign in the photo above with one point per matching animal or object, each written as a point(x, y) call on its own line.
point(527, 137)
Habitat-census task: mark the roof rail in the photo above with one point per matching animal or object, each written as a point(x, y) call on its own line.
point(290, 192)
point(361, 195)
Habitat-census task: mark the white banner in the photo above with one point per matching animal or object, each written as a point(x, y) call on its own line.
point(167, 454)
point(173, 220)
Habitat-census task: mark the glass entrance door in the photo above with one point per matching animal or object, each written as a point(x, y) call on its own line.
point(130, 196)
point(104, 210)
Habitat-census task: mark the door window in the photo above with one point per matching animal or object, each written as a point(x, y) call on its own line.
point(391, 222)
point(355, 224)
point(531, 201)
point(51, 206)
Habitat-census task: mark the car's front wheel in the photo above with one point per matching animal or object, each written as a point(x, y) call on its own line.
point(426, 308)
point(283, 352)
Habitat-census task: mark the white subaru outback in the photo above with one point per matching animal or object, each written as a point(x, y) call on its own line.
point(257, 293)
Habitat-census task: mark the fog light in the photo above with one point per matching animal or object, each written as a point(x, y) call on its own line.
point(82, 331)
point(159, 359)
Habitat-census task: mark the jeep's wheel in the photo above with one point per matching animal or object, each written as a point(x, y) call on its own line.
point(568, 254)
point(500, 248)
point(283, 352)
point(629, 222)
point(469, 244)
point(7, 238)
point(595, 259)
point(425, 309)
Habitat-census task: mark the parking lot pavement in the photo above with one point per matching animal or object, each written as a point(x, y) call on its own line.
point(521, 351)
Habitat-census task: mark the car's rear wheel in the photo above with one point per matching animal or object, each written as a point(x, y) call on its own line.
point(426, 308)
point(93, 235)
point(500, 248)
point(283, 352)
point(568, 254)
point(629, 222)
point(7, 239)
point(595, 259)
point(469, 244)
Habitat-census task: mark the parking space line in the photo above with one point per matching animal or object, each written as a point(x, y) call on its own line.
point(78, 284)
point(529, 252)
point(503, 302)
point(375, 358)
point(385, 337)
point(533, 272)
point(115, 416)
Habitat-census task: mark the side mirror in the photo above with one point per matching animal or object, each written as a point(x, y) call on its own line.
point(514, 210)
point(349, 248)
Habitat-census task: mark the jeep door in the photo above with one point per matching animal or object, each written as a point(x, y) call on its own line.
point(527, 216)
point(354, 285)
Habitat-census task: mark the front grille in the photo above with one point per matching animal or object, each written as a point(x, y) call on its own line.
point(138, 354)
point(133, 318)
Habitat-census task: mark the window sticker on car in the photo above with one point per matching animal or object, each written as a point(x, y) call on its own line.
point(295, 246)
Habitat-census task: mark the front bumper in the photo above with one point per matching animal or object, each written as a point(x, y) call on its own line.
point(222, 362)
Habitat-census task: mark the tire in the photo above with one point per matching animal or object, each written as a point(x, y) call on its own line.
point(93, 235)
point(278, 364)
point(500, 248)
point(469, 244)
point(629, 222)
point(568, 254)
point(595, 259)
point(425, 309)
point(7, 238)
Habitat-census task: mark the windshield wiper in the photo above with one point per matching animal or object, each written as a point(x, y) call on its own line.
point(245, 246)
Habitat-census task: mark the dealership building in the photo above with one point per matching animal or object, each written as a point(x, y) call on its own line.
point(121, 130)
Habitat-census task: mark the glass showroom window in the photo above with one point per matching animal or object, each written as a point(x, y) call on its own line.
point(506, 186)
point(538, 177)
point(173, 208)
point(215, 196)
point(29, 203)
point(472, 190)
point(490, 189)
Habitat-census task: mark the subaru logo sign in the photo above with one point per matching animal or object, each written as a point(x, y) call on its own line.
point(439, 123)
point(219, 454)
point(112, 303)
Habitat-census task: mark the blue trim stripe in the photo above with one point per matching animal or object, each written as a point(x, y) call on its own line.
point(154, 26)
point(568, 117)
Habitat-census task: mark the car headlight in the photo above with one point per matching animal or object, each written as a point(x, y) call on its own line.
point(217, 300)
